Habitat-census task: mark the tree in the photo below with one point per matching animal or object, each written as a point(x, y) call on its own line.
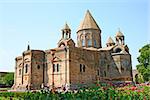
point(144, 62)
point(9, 79)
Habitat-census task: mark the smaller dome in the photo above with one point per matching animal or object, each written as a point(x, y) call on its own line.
point(110, 41)
point(66, 27)
point(119, 34)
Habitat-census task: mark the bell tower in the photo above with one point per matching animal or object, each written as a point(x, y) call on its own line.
point(110, 42)
point(66, 32)
point(66, 37)
point(89, 33)
point(119, 38)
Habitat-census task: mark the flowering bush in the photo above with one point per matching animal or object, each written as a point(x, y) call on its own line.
point(104, 92)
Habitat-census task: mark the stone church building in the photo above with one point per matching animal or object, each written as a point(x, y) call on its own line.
point(85, 63)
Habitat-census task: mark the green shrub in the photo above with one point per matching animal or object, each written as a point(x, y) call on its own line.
point(96, 93)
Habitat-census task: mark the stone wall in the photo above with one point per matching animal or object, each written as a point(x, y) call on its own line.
point(75, 66)
point(60, 59)
point(18, 75)
point(37, 69)
point(26, 68)
point(123, 64)
point(79, 58)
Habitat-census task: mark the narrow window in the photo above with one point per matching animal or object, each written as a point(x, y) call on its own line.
point(26, 68)
point(57, 67)
point(80, 67)
point(38, 67)
point(83, 42)
point(83, 68)
point(94, 43)
point(105, 73)
point(89, 42)
point(53, 67)
point(19, 71)
point(107, 67)
point(97, 72)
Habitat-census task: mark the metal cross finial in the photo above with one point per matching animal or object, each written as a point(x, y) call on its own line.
point(28, 48)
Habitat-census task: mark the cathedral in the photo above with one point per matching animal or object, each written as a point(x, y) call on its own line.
point(86, 62)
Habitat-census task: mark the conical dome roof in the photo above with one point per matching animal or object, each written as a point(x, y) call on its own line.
point(66, 27)
point(88, 22)
point(110, 41)
point(119, 34)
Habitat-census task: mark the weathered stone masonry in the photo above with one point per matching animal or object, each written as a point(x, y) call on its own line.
point(86, 63)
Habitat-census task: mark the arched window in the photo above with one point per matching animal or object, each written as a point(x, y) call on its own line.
point(57, 67)
point(38, 67)
point(89, 42)
point(94, 43)
point(54, 68)
point(118, 50)
point(19, 71)
point(83, 68)
point(105, 73)
point(98, 72)
point(83, 42)
point(80, 68)
point(26, 68)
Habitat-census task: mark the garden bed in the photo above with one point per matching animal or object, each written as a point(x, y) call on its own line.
point(93, 93)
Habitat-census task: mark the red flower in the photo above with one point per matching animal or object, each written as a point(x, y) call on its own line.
point(104, 88)
point(97, 84)
point(138, 90)
point(133, 88)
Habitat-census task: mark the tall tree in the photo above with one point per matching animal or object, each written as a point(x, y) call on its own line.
point(9, 79)
point(144, 62)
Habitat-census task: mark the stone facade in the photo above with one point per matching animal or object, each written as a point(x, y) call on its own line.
point(69, 64)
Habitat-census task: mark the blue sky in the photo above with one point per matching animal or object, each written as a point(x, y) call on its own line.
point(40, 23)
